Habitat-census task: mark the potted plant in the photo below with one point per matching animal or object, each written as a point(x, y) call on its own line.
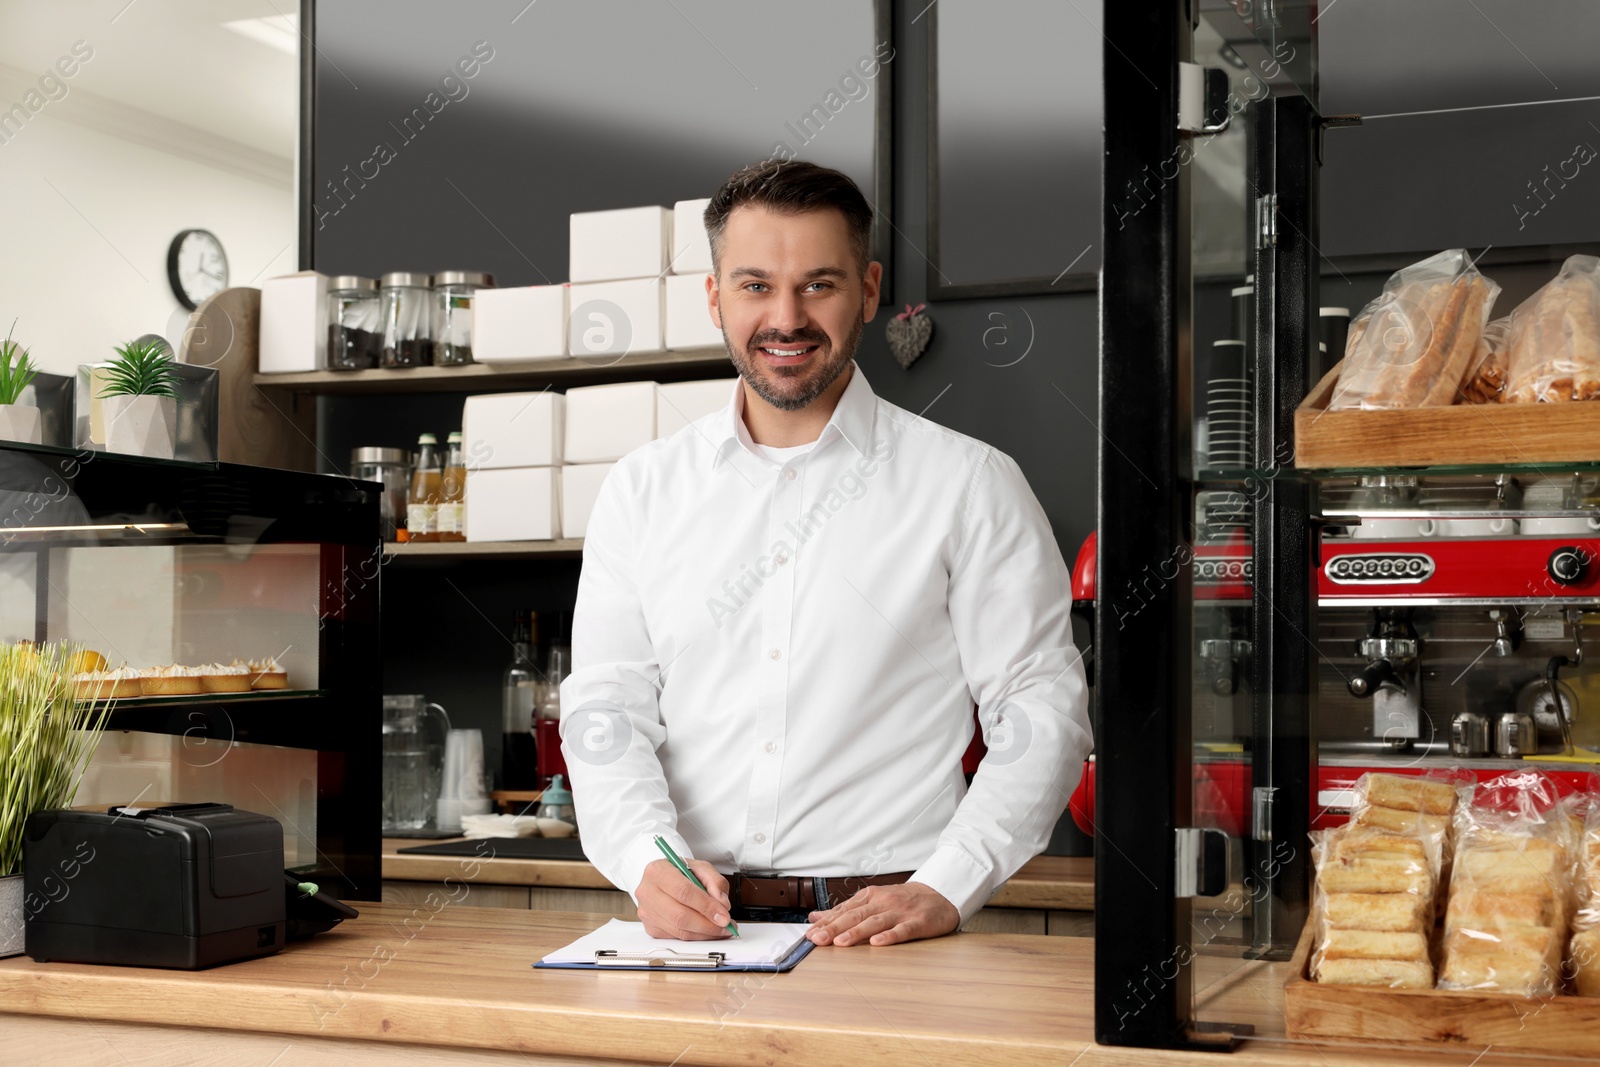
point(141, 400)
point(46, 739)
point(18, 422)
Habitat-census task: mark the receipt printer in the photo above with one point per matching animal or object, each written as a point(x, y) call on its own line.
point(185, 885)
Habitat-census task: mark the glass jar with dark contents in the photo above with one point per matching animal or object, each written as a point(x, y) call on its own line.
point(355, 323)
point(452, 314)
point(407, 319)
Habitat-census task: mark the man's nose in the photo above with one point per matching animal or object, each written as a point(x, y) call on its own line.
point(786, 314)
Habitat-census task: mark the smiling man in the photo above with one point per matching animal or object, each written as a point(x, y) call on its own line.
point(789, 610)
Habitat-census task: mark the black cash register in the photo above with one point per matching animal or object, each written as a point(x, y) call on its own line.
point(182, 885)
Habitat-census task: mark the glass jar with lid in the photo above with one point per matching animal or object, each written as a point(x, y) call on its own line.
point(355, 323)
point(407, 319)
point(452, 314)
point(391, 468)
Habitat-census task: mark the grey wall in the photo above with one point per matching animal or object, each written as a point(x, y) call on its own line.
point(1017, 373)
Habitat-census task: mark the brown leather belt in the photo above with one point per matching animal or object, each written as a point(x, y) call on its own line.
point(800, 892)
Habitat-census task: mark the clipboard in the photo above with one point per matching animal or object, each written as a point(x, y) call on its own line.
point(672, 960)
point(624, 946)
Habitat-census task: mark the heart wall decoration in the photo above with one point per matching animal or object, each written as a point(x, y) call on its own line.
point(909, 333)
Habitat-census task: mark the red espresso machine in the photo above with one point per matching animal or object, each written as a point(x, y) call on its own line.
point(1452, 613)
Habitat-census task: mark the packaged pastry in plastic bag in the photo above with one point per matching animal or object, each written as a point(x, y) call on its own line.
point(1487, 374)
point(1553, 343)
point(1510, 897)
point(1373, 908)
point(1413, 345)
point(1583, 957)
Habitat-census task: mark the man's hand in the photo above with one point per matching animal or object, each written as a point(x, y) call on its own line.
point(885, 915)
point(671, 906)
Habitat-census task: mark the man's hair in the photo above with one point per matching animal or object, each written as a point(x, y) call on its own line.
point(791, 187)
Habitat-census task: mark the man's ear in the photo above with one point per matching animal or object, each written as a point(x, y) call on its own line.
point(871, 286)
point(714, 300)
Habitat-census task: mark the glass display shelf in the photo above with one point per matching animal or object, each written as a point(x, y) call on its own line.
point(254, 696)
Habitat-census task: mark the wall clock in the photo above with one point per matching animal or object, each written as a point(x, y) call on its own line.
point(196, 267)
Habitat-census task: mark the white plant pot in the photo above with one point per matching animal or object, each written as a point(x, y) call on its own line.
point(20, 422)
point(141, 425)
point(11, 916)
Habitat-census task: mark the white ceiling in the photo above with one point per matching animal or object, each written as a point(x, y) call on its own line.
point(165, 71)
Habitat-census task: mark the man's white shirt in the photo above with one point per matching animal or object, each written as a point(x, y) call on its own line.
point(775, 663)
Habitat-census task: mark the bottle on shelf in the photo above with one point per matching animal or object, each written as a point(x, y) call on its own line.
point(453, 492)
point(557, 804)
point(547, 732)
point(422, 505)
point(518, 698)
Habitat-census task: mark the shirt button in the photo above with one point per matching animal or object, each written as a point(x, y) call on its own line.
point(760, 838)
point(789, 474)
point(782, 559)
point(774, 653)
point(772, 746)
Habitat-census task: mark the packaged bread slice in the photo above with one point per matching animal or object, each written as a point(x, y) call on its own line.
point(1554, 338)
point(1414, 823)
point(1409, 793)
point(1374, 945)
point(1413, 345)
point(1534, 867)
point(1483, 909)
point(1374, 911)
point(1371, 875)
point(1525, 960)
point(1585, 963)
point(1395, 974)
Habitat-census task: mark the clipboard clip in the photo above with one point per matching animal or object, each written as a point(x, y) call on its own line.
point(664, 958)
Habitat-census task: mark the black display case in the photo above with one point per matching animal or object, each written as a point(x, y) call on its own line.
point(155, 563)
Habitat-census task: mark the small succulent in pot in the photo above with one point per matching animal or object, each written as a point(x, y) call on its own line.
point(17, 370)
point(18, 422)
point(140, 394)
point(142, 368)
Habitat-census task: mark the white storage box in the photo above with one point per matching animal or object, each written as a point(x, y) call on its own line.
point(294, 323)
point(614, 318)
point(513, 430)
point(691, 249)
point(606, 422)
point(689, 322)
point(580, 487)
point(517, 504)
point(630, 242)
point(517, 325)
point(680, 403)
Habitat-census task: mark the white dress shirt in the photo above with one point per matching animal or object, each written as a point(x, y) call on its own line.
point(775, 663)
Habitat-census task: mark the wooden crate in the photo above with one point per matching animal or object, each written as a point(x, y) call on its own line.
point(1435, 1017)
point(1459, 435)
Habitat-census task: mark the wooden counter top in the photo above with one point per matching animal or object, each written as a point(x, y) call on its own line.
point(461, 977)
point(1064, 882)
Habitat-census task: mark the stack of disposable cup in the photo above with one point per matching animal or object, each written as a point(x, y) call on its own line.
point(462, 791)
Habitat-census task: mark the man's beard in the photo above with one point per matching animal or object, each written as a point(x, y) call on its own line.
point(820, 371)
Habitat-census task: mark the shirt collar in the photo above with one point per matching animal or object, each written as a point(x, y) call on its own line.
point(852, 419)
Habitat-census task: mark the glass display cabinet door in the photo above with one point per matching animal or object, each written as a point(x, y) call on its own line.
point(1203, 697)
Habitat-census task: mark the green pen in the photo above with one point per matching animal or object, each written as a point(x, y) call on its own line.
point(683, 869)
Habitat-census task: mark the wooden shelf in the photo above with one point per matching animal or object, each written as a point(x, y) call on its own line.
point(490, 377)
point(568, 547)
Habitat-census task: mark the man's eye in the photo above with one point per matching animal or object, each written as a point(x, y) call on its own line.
point(823, 285)
point(753, 286)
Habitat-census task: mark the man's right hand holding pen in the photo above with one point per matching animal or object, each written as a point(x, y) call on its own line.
point(670, 905)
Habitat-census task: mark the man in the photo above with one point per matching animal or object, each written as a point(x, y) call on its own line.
point(788, 609)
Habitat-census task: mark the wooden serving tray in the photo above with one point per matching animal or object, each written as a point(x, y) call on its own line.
point(1459, 435)
point(1433, 1017)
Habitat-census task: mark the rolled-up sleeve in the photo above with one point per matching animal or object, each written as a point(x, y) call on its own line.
point(1010, 608)
point(610, 715)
